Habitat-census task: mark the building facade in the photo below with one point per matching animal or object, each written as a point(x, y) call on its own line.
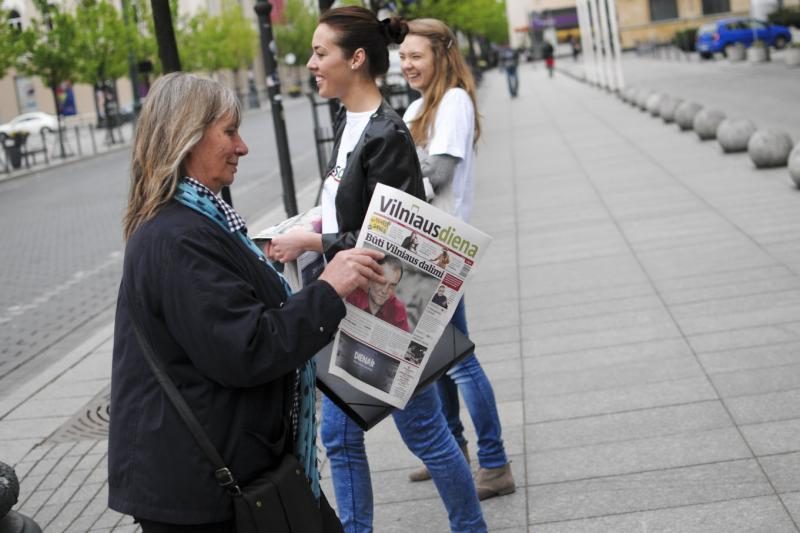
point(640, 21)
point(21, 94)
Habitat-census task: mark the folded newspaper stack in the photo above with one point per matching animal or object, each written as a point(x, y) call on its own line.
point(310, 264)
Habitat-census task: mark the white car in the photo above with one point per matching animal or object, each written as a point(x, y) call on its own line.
point(30, 123)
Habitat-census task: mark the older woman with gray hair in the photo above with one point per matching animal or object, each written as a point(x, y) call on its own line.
point(223, 323)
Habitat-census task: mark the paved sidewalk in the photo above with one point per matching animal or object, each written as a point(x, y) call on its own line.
point(637, 314)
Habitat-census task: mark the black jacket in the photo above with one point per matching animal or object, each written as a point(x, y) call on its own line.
point(230, 340)
point(385, 153)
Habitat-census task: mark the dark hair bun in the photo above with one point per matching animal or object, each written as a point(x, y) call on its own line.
point(394, 30)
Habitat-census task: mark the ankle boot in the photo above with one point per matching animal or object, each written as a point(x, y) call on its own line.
point(491, 482)
point(422, 474)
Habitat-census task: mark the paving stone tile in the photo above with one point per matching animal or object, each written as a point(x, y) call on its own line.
point(507, 390)
point(643, 303)
point(504, 351)
point(773, 437)
point(497, 314)
point(748, 313)
point(751, 357)
point(725, 280)
point(704, 259)
point(783, 470)
point(586, 274)
point(620, 355)
point(586, 296)
point(635, 456)
point(502, 369)
point(17, 451)
point(542, 409)
point(646, 491)
point(46, 513)
point(33, 501)
point(792, 503)
point(757, 380)
point(780, 281)
point(619, 427)
point(571, 244)
point(598, 339)
point(66, 515)
point(33, 409)
point(745, 337)
point(36, 428)
point(490, 336)
point(610, 377)
point(736, 516)
point(654, 316)
point(768, 407)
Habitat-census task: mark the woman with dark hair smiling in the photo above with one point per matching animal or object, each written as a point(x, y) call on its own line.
point(373, 145)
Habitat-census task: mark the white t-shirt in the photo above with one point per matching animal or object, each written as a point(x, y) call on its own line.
point(453, 133)
point(353, 129)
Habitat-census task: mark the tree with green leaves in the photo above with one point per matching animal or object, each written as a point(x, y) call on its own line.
point(211, 43)
point(9, 43)
point(50, 51)
point(241, 40)
point(293, 34)
point(482, 20)
point(102, 46)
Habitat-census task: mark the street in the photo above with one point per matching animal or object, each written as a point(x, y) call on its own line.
point(636, 314)
point(62, 243)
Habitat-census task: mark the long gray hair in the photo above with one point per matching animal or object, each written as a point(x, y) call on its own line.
point(177, 112)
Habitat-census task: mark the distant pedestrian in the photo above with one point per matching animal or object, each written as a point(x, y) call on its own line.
point(445, 125)
point(509, 61)
point(575, 43)
point(221, 320)
point(549, 60)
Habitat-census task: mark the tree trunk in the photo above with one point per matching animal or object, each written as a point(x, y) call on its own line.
point(60, 117)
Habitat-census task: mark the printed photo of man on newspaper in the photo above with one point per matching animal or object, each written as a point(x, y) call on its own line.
point(380, 298)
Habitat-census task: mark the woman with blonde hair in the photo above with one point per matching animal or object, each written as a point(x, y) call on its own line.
point(199, 296)
point(445, 127)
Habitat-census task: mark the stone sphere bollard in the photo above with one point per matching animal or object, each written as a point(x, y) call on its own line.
point(668, 107)
point(794, 165)
point(734, 133)
point(12, 521)
point(706, 122)
point(641, 98)
point(684, 114)
point(654, 103)
point(769, 148)
point(9, 489)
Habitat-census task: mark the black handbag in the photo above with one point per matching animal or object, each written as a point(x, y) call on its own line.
point(279, 500)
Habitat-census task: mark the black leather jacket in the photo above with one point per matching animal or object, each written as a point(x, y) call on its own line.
point(385, 153)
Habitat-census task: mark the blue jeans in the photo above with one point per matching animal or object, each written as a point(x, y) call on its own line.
point(513, 80)
point(469, 378)
point(424, 430)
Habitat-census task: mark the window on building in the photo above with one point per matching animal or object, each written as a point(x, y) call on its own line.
point(716, 6)
point(663, 9)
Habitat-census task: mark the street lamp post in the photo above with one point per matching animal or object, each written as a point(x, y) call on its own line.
point(132, 65)
point(264, 9)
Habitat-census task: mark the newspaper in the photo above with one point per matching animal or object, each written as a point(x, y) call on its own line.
point(390, 330)
point(309, 265)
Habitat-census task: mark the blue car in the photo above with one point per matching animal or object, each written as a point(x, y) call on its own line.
point(719, 35)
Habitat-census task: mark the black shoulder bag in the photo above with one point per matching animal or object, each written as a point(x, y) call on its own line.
point(278, 500)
